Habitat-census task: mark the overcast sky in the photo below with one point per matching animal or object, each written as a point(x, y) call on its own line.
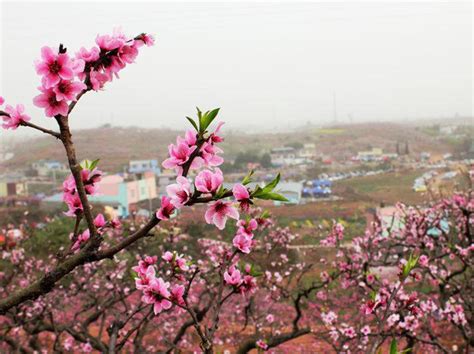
point(270, 64)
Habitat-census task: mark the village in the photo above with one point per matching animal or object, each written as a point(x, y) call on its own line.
point(310, 177)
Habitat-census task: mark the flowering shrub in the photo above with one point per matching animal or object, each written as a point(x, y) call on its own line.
point(104, 290)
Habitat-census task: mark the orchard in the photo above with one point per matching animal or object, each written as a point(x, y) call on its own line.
point(146, 286)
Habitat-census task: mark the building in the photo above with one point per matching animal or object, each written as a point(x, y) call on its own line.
point(376, 154)
point(286, 156)
point(308, 151)
point(282, 155)
point(46, 168)
point(448, 129)
point(141, 166)
point(393, 221)
point(318, 188)
point(121, 194)
point(9, 188)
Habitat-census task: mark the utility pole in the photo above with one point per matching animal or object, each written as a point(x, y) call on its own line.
point(334, 108)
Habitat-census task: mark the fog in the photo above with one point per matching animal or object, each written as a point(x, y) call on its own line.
point(267, 65)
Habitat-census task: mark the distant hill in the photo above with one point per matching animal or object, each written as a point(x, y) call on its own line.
point(115, 146)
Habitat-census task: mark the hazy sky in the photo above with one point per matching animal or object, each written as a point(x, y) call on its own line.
point(262, 63)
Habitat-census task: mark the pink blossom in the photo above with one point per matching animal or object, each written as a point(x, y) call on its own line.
point(128, 53)
point(218, 212)
point(181, 263)
point(168, 256)
point(176, 260)
point(242, 195)
point(90, 179)
point(242, 243)
point(148, 39)
point(409, 323)
point(249, 285)
point(81, 239)
point(423, 260)
point(247, 227)
point(15, 117)
point(78, 66)
point(111, 42)
point(321, 295)
point(213, 137)
point(369, 307)
point(209, 155)
point(71, 197)
point(455, 313)
point(2, 100)
point(209, 182)
point(88, 55)
point(157, 293)
point(166, 209)
point(233, 276)
point(261, 344)
point(365, 330)
point(180, 192)
point(329, 318)
point(86, 347)
point(145, 278)
point(99, 221)
point(54, 67)
point(144, 263)
point(68, 90)
point(73, 203)
point(190, 138)
point(179, 155)
point(392, 319)
point(68, 343)
point(349, 332)
point(177, 292)
point(98, 80)
point(370, 278)
point(115, 223)
point(47, 100)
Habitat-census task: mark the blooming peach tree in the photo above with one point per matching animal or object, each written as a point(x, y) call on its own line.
point(146, 286)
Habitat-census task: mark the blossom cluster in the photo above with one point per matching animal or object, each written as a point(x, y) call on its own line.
point(204, 153)
point(12, 116)
point(64, 77)
point(242, 282)
point(90, 179)
point(155, 290)
point(194, 152)
point(197, 153)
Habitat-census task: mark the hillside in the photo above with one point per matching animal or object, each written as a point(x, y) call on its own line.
point(115, 146)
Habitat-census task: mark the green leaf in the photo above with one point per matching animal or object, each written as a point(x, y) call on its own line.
point(211, 116)
point(247, 179)
point(220, 193)
point(200, 119)
point(393, 347)
point(411, 263)
point(93, 164)
point(271, 186)
point(270, 196)
point(206, 119)
point(373, 294)
point(193, 123)
point(84, 164)
point(257, 191)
